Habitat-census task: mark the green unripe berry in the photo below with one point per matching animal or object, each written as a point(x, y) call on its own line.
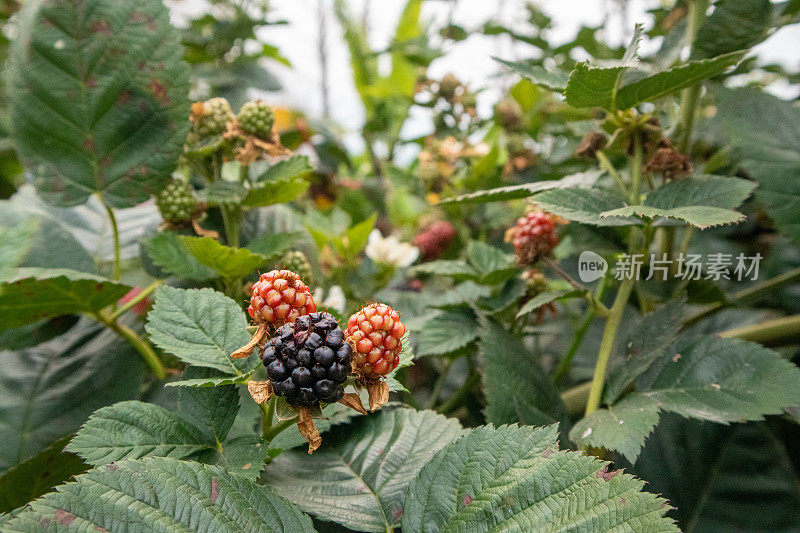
point(256, 118)
point(211, 117)
point(177, 203)
point(297, 262)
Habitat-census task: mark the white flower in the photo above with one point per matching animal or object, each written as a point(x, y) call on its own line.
point(389, 250)
point(335, 299)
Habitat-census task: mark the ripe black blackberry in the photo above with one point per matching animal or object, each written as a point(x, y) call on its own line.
point(308, 361)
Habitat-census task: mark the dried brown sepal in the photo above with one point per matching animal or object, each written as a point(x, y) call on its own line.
point(353, 401)
point(202, 232)
point(378, 392)
point(259, 337)
point(668, 162)
point(305, 423)
point(254, 148)
point(590, 144)
point(260, 391)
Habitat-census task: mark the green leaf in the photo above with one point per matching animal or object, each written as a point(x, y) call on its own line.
point(215, 381)
point(31, 294)
point(355, 238)
point(406, 360)
point(593, 86)
point(622, 427)
point(291, 169)
point(645, 343)
point(273, 245)
point(447, 332)
point(699, 216)
point(98, 98)
point(358, 478)
point(708, 378)
point(38, 475)
point(228, 262)
point(659, 85)
point(243, 456)
point(516, 387)
point(210, 409)
point(494, 265)
point(201, 327)
point(765, 131)
point(158, 494)
point(702, 202)
point(583, 205)
point(553, 80)
point(167, 251)
point(723, 478)
point(514, 192)
point(49, 390)
point(733, 25)
point(223, 192)
point(545, 298)
point(445, 267)
point(506, 478)
point(722, 380)
point(714, 191)
point(275, 192)
point(132, 430)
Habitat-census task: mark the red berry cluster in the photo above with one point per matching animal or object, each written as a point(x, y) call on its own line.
point(435, 239)
point(534, 236)
point(375, 333)
point(280, 297)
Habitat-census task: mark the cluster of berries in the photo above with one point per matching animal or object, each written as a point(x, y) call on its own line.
point(213, 117)
point(435, 239)
point(534, 236)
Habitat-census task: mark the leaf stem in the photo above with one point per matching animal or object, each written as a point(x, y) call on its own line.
point(565, 364)
point(454, 401)
point(781, 331)
point(606, 345)
point(115, 237)
point(277, 429)
point(746, 295)
point(606, 165)
point(439, 385)
point(267, 413)
point(144, 348)
point(138, 298)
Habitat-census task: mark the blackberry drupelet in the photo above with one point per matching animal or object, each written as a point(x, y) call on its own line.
point(308, 361)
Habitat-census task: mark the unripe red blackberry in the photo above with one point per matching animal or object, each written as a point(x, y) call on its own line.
point(534, 236)
point(376, 335)
point(433, 242)
point(256, 118)
point(177, 202)
point(279, 297)
point(297, 262)
point(308, 361)
point(211, 117)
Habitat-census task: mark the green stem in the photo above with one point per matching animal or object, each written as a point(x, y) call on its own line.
point(606, 165)
point(139, 297)
point(746, 295)
point(115, 236)
point(267, 413)
point(782, 331)
point(575, 398)
point(565, 364)
point(454, 401)
point(636, 169)
point(689, 96)
point(439, 384)
point(606, 345)
point(273, 432)
point(142, 346)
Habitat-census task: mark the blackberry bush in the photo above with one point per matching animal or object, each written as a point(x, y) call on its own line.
point(308, 361)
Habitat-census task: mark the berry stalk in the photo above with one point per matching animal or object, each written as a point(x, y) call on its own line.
point(115, 238)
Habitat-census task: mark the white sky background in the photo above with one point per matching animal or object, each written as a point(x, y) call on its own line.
point(469, 60)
